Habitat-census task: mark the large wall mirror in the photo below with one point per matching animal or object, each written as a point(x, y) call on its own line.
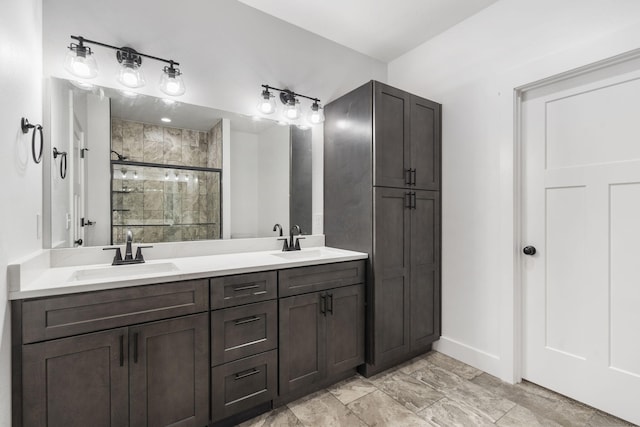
point(167, 171)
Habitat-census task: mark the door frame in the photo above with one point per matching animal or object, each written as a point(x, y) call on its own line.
point(519, 190)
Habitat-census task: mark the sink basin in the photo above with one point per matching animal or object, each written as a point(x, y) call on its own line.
point(305, 254)
point(116, 271)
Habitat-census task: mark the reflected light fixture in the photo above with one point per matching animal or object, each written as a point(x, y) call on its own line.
point(166, 119)
point(316, 115)
point(81, 63)
point(291, 111)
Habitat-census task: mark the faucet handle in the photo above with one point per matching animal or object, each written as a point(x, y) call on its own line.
point(118, 257)
point(297, 246)
point(285, 245)
point(139, 256)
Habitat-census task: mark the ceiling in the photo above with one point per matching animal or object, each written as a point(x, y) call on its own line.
point(382, 29)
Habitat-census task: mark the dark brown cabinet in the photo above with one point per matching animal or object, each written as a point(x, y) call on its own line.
point(382, 196)
point(139, 374)
point(169, 369)
point(321, 334)
point(406, 139)
point(244, 328)
point(156, 374)
point(78, 381)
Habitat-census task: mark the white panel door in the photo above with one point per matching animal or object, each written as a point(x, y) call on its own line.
point(581, 194)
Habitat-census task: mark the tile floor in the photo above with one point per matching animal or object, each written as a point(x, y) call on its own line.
point(434, 390)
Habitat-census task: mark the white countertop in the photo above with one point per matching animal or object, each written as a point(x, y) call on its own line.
point(84, 278)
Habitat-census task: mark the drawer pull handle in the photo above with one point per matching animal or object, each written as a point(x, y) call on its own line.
point(247, 320)
point(260, 292)
point(246, 288)
point(246, 374)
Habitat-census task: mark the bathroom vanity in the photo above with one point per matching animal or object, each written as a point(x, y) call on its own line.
point(204, 340)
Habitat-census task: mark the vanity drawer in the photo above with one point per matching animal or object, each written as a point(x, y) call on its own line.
point(67, 315)
point(243, 384)
point(301, 280)
point(230, 291)
point(243, 331)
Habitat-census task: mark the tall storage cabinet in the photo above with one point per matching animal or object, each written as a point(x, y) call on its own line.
point(382, 196)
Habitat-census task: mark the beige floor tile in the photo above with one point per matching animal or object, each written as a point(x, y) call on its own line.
point(280, 417)
point(323, 409)
point(408, 391)
point(601, 419)
point(449, 413)
point(452, 365)
point(378, 409)
point(351, 389)
point(520, 416)
point(491, 404)
point(539, 400)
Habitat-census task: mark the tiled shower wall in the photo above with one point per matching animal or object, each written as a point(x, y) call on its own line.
point(166, 204)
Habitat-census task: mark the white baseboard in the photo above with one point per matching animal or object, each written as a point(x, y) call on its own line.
point(487, 362)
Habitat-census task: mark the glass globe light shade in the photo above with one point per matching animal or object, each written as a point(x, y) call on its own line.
point(292, 110)
point(171, 82)
point(267, 103)
point(316, 114)
point(130, 75)
point(80, 62)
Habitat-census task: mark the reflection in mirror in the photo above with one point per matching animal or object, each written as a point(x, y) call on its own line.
point(157, 167)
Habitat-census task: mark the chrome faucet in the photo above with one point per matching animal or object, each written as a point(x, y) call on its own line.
point(128, 252)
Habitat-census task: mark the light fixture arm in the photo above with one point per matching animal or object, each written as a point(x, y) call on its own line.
point(286, 94)
point(81, 41)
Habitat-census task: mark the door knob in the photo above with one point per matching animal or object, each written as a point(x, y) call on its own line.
point(529, 250)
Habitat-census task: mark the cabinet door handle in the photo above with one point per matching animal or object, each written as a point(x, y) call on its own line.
point(330, 305)
point(246, 374)
point(121, 350)
point(407, 200)
point(323, 304)
point(407, 176)
point(413, 177)
point(246, 320)
point(135, 348)
point(413, 200)
point(245, 288)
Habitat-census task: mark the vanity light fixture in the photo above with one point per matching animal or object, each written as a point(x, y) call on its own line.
point(316, 115)
point(291, 112)
point(81, 63)
point(171, 81)
point(80, 60)
point(267, 103)
point(129, 74)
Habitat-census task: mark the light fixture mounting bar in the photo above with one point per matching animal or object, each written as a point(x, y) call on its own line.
point(83, 40)
point(290, 92)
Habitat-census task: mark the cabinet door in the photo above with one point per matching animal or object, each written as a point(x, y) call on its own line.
point(302, 341)
point(425, 143)
point(78, 381)
point(391, 146)
point(391, 274)
point(425, 269)
point(345, 328)
point(169, 372)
